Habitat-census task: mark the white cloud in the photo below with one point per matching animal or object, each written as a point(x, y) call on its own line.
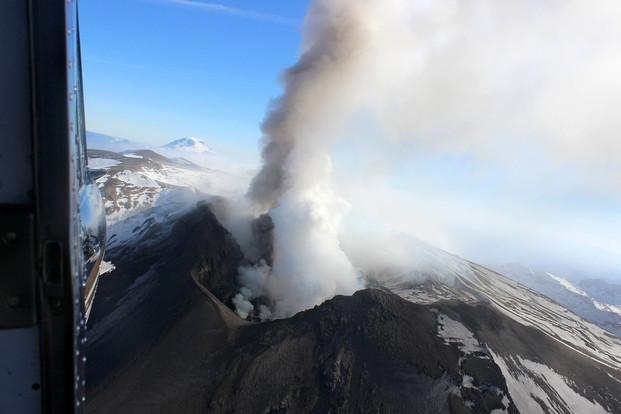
point(529, 91)
point(237, 12)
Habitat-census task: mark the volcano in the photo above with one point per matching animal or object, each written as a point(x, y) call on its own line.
point(459, 339)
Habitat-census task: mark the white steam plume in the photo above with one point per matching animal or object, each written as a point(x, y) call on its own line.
point(493, 78)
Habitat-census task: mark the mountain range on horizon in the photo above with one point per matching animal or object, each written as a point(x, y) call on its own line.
point(99, 141)
point(584, 299)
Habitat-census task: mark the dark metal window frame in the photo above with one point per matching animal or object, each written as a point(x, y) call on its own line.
point(41, 278)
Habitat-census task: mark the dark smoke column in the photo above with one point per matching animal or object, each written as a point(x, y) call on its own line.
point(318, 97)
point(294, 184)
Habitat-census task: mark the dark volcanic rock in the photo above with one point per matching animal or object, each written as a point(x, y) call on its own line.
point(151, 288)
point(219, 257)
point(510, 339)
point(371, 352)
point(262, 233)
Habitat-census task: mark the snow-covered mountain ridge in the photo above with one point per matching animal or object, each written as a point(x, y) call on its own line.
point(578, 299)
point(134, 180)
point(536, 380)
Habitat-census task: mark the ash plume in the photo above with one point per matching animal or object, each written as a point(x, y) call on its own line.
point(293, 185)
point(319, 92)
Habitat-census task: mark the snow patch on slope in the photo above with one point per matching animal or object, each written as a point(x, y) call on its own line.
point(136, 179)
point(170, 203)
point(452, 331)
point(607, 308)
point(106, 267)
point(101, 163)
point(567, 285)
point(530, 383)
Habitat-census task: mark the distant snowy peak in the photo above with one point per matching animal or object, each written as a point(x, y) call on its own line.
point(189, 144)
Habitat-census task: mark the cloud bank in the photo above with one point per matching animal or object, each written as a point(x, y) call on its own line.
point(235, 11)
point(513, 83)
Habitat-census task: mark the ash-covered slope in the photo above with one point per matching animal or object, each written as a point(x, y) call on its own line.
point(151, 289)
point(371, 352)
point(470, 341)
point(562, 363)
point(441, 276)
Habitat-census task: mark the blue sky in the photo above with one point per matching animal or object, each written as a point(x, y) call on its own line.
point(155, 70)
